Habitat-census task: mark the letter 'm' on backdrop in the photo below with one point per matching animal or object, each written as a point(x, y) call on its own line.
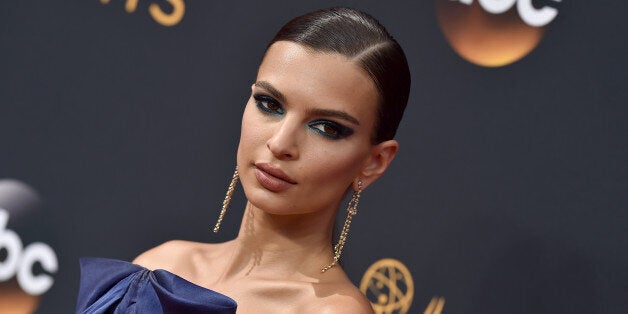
point(119, 123)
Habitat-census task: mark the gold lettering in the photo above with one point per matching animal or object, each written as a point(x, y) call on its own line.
point(131, 5)
point(435, 306)
point(165, 19)
point(178, 9)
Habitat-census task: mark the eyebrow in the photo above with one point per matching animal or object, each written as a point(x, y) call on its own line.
point(334, 113)
point(319, 112)
point(271, 89)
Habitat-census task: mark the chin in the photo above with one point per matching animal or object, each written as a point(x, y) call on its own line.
point(272, 203)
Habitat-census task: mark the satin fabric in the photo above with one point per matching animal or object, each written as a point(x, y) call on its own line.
point(113, 286)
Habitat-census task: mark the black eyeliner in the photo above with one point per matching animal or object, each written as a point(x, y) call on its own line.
point(342, 131)
point(260, 98)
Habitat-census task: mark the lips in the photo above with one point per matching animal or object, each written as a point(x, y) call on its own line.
point(272, 178)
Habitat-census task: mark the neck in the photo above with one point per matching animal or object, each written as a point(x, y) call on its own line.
point(288, 246)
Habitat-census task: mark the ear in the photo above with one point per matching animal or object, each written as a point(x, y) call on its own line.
point(376, 164)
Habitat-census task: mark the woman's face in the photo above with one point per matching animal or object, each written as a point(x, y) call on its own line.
point(306, 130)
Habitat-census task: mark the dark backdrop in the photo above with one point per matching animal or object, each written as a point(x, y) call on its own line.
point(508, 194)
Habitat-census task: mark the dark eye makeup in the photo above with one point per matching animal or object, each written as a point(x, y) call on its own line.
point(330, 129)
point(268, 104)
point(326, 128)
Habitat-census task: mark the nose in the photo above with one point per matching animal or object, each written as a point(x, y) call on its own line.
point(283, 143)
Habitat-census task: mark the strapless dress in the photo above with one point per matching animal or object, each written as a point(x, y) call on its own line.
point(114, 286)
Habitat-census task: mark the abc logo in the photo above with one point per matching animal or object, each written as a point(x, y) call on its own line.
point(493, 33)
point(19, 260)
point(20, 295)
point(26, 271)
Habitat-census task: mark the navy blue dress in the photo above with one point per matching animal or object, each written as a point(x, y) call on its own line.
point(113, 286)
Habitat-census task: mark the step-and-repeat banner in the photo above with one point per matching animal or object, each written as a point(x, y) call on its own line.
point(119, 123)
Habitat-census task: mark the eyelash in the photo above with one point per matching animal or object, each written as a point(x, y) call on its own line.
point(340, 131)
point(261, 99)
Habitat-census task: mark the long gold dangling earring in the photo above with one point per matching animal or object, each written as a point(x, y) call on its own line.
point(352, 209)
point(225, 203)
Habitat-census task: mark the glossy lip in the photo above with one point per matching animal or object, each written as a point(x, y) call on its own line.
point(275, 172)
point(271, 178)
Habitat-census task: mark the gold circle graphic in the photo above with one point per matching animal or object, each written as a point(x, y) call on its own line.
point(389, 286)
point(483, 38)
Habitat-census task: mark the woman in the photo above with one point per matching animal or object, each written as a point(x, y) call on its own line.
point(320, 122)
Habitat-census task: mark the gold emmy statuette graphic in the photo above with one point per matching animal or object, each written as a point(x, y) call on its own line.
point(493, 33)
point(389, 286)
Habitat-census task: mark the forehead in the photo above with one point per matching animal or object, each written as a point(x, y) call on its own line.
point(319, 79)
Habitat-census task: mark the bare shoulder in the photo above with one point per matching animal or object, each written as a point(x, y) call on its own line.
point(349, 300)
point(168, 255)
point(340, 296)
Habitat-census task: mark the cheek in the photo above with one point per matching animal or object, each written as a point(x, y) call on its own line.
point(338, 165)
point(250, 135)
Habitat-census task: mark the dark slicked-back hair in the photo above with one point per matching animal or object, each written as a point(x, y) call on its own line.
point(363, 39)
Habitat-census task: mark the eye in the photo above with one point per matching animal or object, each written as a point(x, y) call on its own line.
point(268, 104)
point(330, 129)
